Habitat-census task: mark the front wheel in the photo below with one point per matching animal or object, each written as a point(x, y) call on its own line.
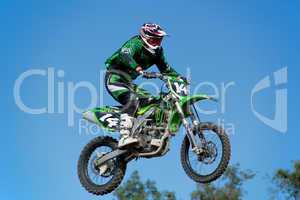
point(210, 164)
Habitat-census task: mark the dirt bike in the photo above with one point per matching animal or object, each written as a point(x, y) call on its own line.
point(205, 150)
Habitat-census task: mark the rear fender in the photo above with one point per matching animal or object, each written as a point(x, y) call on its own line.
point(106, 117)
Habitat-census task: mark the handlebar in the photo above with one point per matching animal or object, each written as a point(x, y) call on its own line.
point(152, 75)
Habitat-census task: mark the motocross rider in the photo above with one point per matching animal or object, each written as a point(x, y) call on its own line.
point(126, 64)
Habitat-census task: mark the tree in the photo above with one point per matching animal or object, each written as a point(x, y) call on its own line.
point(288, 182)
point(231, 186)
point(135, 189)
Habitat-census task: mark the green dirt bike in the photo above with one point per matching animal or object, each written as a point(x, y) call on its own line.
point(205, 150)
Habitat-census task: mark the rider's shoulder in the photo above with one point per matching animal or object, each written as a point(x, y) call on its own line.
point(136, 40)
point(133, 43)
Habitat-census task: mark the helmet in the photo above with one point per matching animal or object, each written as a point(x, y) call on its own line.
point(152, 34)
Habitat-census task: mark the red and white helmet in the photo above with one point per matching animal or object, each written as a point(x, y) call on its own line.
point(152, 34)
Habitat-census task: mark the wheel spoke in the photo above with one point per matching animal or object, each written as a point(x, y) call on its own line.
point(94, 173)
point(210, 163)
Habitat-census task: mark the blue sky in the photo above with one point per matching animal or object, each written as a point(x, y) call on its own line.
point(220, 41)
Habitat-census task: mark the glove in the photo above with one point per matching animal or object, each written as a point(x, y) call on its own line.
point(139, 69)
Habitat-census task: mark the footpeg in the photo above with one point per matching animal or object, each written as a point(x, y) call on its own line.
point(155, 142)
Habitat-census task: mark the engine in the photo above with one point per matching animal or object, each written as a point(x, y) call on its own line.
point(150, 137)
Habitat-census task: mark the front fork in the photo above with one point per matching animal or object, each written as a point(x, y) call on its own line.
point(195, 145)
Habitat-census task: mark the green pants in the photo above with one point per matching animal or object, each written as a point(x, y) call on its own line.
point(127, 93)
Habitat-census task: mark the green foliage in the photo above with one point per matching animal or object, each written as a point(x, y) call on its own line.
point(135, 189)
point(288, 182)
point(231, 186)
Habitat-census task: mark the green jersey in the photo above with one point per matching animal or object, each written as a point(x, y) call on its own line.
point(133, 54)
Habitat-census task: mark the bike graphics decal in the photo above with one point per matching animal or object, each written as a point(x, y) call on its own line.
point(180, 88)
point(110, 120)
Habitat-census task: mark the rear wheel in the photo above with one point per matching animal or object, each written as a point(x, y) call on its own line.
point(210, 164)
point(100, 180)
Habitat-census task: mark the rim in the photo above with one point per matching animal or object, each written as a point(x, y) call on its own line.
point(103, 174)
point(209, 161)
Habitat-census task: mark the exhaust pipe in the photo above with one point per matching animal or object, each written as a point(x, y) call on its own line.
point(159, 150)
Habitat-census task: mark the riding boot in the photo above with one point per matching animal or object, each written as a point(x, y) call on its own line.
point(126, 124)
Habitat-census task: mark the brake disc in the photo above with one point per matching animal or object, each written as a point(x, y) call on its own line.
point(210, 153)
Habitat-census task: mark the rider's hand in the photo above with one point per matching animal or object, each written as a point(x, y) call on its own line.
point(139, 69)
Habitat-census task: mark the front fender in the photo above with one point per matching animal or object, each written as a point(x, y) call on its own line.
point(184, 101)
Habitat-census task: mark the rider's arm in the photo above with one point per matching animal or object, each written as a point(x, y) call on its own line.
point(127, 52)
point(163, 65)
